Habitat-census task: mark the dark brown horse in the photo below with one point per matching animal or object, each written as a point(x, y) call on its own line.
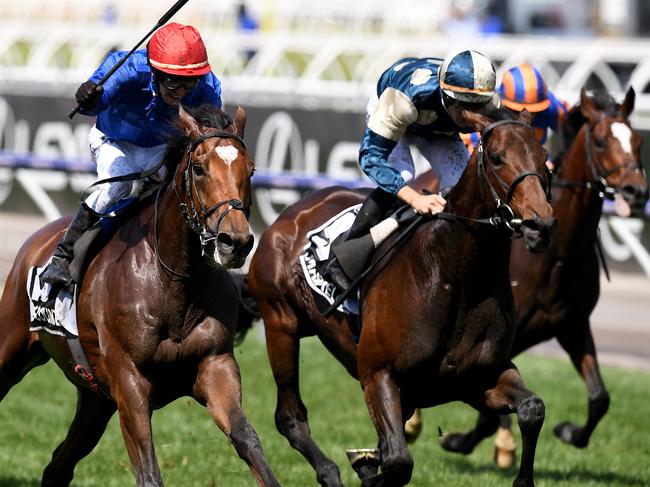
point(556, 291)
point(156, 316)
point(437, 318)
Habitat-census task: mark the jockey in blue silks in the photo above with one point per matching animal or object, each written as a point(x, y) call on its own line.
point(411, 107)
point(134, 110)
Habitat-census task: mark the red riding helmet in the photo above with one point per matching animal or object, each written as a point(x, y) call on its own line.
point(178, 50)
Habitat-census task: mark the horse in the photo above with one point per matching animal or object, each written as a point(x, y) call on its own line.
point(555, 292)
point(437, 316)
point(157, 308)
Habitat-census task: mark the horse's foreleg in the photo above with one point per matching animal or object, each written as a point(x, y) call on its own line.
point(283, 345)
point(132, 393)
point(218, 385)
point(384, 404)
point(88, 425)
point(510, 395)
point(581, 349)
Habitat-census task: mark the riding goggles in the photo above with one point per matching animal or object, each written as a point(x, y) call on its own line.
point(173, 84)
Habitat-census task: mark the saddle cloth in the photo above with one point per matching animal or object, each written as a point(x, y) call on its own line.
point(56, 315)
point(316, 253)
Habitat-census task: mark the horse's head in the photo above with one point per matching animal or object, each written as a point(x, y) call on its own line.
point(511, 167)
point(213, 183)
point(612, 150)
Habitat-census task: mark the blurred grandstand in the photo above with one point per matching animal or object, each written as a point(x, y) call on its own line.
point(329, 54)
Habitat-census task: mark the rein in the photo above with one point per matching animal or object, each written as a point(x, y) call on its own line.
point(196, 218)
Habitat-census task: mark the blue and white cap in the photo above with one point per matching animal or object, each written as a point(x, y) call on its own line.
point(468, 76)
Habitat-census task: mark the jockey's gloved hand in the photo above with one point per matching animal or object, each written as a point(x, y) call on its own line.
point(88, 93)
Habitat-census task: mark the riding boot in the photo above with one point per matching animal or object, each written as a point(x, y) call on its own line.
point(57, 273)
point(353, 251)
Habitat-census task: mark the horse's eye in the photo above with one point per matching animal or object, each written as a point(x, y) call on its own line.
point(198, 170)
point(600, 143)
point(496, 160)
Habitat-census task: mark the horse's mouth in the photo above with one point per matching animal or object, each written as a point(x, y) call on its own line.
point(538, 233)
point(232, 253)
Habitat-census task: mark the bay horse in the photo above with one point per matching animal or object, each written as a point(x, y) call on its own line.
point(438, 318)
point(556, 291)
point(156, 314)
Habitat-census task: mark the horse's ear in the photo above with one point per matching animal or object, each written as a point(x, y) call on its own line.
point(188, 123)
point(472, 120)
point(628, 103)
point(587, 106)
point(240, 121)
point(526, 116)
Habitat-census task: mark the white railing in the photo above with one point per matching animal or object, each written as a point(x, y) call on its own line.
point(324, 70)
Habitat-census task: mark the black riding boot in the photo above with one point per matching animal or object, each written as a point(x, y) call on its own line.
point(353, 251)
point(57, 273)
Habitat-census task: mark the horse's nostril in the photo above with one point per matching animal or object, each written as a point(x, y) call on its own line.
point(225, 241)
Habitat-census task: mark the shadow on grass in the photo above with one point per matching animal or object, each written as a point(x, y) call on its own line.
point(576, 475)
point(6, 481)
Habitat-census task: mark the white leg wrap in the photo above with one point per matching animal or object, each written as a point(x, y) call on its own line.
point(382, 230)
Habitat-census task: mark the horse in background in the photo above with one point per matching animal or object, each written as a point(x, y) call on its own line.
point(555, 292)
point(156, 314)
point(437, 315)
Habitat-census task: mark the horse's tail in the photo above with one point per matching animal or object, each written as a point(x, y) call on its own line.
point(248, 309)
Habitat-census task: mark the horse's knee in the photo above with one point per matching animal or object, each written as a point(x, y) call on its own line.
point(530, 414)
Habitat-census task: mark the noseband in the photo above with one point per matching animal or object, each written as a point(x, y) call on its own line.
point(503, 213)
point(196, 218)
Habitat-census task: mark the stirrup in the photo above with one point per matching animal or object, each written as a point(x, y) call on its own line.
point(57, 274)
point(335, 274)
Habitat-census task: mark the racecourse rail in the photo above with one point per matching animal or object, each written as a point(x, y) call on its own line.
point(261, 178)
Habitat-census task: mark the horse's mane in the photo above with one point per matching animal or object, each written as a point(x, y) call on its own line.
point(206, 116)
point(574, 119)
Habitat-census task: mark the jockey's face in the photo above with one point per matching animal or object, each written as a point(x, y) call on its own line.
point(173, 89)
point(455, 108)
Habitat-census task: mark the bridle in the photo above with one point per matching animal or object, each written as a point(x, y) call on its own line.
point(599, 175)
point(196, 217)
point(504, 216)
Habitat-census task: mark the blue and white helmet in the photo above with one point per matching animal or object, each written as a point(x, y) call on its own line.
point(468, 76)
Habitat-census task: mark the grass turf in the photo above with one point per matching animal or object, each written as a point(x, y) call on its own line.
point(192, 451)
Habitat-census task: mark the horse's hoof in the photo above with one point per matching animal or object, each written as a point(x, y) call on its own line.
point(365, 462)
point(455, 442)
point(570, 433)
point(504, 449)
point(329, 476)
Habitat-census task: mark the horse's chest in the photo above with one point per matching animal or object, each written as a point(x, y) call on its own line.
point(483, 337)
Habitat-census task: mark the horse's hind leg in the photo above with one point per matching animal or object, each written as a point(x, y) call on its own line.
point(580, 347)
point(510, 394)
point(88, 425)
point(20, 349)
point(218, 385)
point(486, 425)
point(283, 345)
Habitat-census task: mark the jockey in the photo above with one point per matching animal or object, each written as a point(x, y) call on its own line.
point(523, 87)
point(412, 107)
point(134, 109)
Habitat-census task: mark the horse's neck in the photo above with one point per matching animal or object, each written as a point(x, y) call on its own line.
point(578, 208)
point(169, 233)
point(470, 245)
